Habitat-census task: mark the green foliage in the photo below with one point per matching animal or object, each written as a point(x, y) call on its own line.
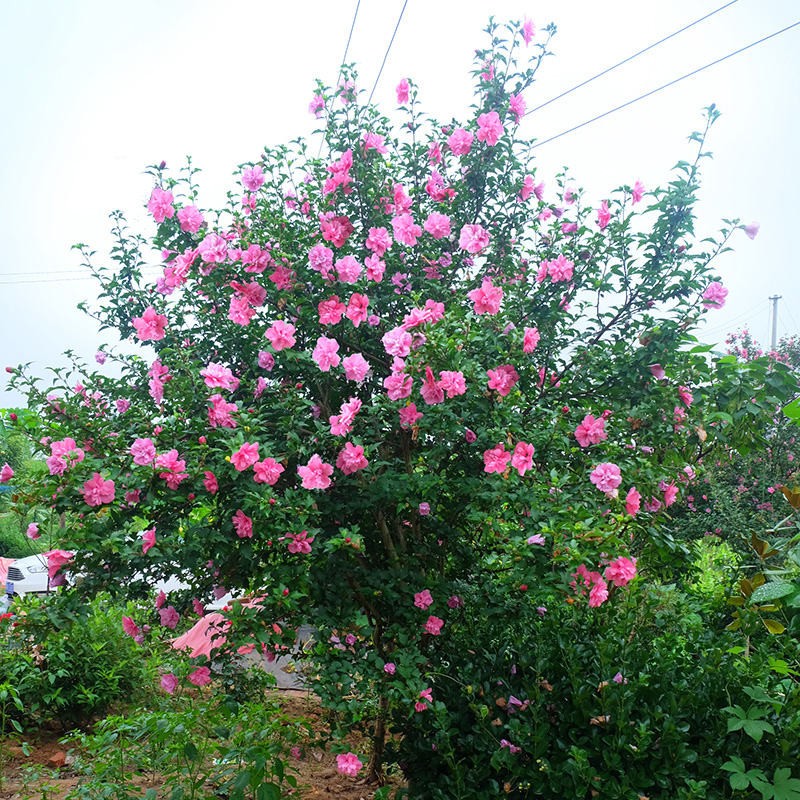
point(194, 747)
point(68, 664)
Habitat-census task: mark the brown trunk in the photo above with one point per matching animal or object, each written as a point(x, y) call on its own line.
point(375, 766)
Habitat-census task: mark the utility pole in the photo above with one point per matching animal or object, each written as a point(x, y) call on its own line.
point(774, 300)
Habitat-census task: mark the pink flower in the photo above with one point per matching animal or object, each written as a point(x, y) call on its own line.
point(431, 392)
point(217, 376)
point(316, 474)
point(685, 395)
point(433, 625)
point(348, 269)
point(751, 230)
point(245, 456)
point(326, 353)
point(425, 697)
point(398, 385)
point(474, 238)
point(536, 539)
point(637, 193)
point(6, 473)
point(281, 335)
point(522, 460)
point(200, 677)
point(670, 493)
point(210, 482)
point(560, 269)
point(64, 454)
point(169, 683)
point(437, 225)
point(490, 129)
point(375, 268)
point(243, 525)
point(389, 668)
point(714, 295)
point(299, 543)
point(33, 531)
point(143, 452)
point(530, 340)
point(342, 423)
point(460, 141)
point(424, 509)
point(169, 617)
point(148, 540)
point(348, 764)
point(406, 231)
point(356, 367)
point(213, 249)
point(486, 299)
point(397, 342)
point(320, 259)
point(56, 560)
point(150, 326)
point(423, 599)
point(267, 471)
point(190, 219)
point(657, 371)
point(357, 309)
point(603, 215)
point(591, 431)
point(253, 178)
point(598, 594)
point(351, 459)
point(402, 92)
point(503, 379)
point(335, 230)
point(517, 106)
point(409, 416)
point(219, 415)
point(452, 383)
point(379, 240)
point(633, 502)
point(160, 204)
point(374, 141)
point(97, 491)
point(130, 627)
point(621, 571)
point(606, 477)
point(331, 310)
point(317, 105)
point(528, 31)
point(496, 459)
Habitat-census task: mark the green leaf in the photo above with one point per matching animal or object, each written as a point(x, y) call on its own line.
point(771, 591)
point(785, 787)
point(792, 410)
point(773, 626)
point(734, 764)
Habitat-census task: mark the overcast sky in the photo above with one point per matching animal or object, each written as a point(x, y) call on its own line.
point(94, 91)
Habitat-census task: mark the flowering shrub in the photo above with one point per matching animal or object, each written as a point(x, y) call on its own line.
point(381, 378)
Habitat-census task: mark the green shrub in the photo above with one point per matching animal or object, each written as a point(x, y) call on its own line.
point(67, 663)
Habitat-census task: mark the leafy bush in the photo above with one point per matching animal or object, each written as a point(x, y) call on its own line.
point(69, 664)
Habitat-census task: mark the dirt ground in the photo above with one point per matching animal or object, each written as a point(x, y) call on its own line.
point(46, 773)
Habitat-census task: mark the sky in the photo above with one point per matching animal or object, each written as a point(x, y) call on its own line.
point(93, 92)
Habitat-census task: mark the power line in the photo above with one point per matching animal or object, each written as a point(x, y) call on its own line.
point(343, 61)
point(665, 86)
point(631, 58)
point(61, 271)
point(386, 54)
point(48, 280)
point(349, 39)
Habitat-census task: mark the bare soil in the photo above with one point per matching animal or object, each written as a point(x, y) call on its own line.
point(47, 770)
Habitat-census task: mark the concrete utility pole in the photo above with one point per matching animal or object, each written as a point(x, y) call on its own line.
point(774, 300)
